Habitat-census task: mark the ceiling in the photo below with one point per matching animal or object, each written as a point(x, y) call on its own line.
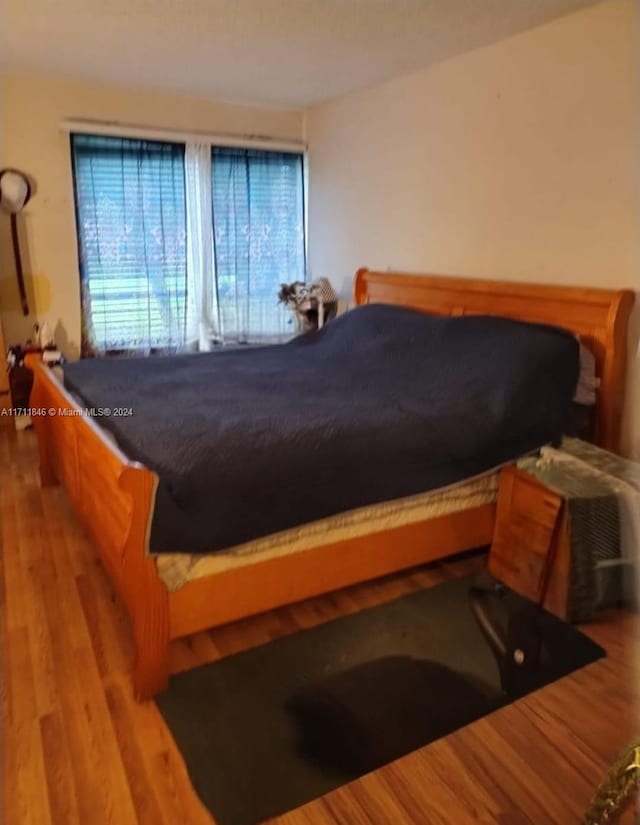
point(284, 52)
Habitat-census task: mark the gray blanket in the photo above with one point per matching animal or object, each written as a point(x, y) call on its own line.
point(602, 491)
point(383, 402)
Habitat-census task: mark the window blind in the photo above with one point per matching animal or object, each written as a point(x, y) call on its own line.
point(130, 210)
point(259, 238)
point(185, 245)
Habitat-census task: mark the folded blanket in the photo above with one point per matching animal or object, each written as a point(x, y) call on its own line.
point(602, 491)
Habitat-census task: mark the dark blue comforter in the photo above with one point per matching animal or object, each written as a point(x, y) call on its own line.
point(383, 402)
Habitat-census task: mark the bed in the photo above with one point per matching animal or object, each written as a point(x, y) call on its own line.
point(113, 495)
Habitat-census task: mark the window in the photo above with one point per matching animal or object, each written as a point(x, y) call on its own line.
point(258, 219)
point(130, 209)
point(185, 246)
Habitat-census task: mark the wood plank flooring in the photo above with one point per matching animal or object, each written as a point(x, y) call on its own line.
point(78, 749)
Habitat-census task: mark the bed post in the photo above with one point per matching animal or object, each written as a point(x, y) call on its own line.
point(151, 634)
point(143, 591)
point(39, 399)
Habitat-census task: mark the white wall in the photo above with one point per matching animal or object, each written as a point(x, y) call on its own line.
point(516, 161)
point(32, 107)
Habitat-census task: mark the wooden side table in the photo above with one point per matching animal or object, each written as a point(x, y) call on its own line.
point(530, 550)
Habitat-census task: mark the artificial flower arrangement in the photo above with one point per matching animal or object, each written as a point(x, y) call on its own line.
point(311, 304)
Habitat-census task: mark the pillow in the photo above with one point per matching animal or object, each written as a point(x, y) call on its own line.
point(588, 383)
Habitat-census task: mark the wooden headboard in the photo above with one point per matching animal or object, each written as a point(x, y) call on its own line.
point(599, 316)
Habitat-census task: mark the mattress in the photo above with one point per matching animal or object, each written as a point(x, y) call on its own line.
point(176, 569)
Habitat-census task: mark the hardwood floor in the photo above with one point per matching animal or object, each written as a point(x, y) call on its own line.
point(79, 749)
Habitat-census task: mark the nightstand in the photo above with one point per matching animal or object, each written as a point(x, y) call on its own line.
point(566, 530)
point(526, 537)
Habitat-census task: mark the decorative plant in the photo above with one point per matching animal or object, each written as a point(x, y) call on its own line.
point(310, 304)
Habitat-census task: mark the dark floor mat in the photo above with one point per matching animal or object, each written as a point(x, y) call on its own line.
point(269, 729)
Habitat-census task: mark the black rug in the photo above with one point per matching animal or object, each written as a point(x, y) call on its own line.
point(269, 729)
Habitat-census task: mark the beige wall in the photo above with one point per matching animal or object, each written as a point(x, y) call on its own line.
point(31, 107)
point(517, 161)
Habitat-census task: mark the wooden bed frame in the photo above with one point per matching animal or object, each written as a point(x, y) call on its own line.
point(113, 496)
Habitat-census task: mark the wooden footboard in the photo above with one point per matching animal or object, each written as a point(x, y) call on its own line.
point(113, 497)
